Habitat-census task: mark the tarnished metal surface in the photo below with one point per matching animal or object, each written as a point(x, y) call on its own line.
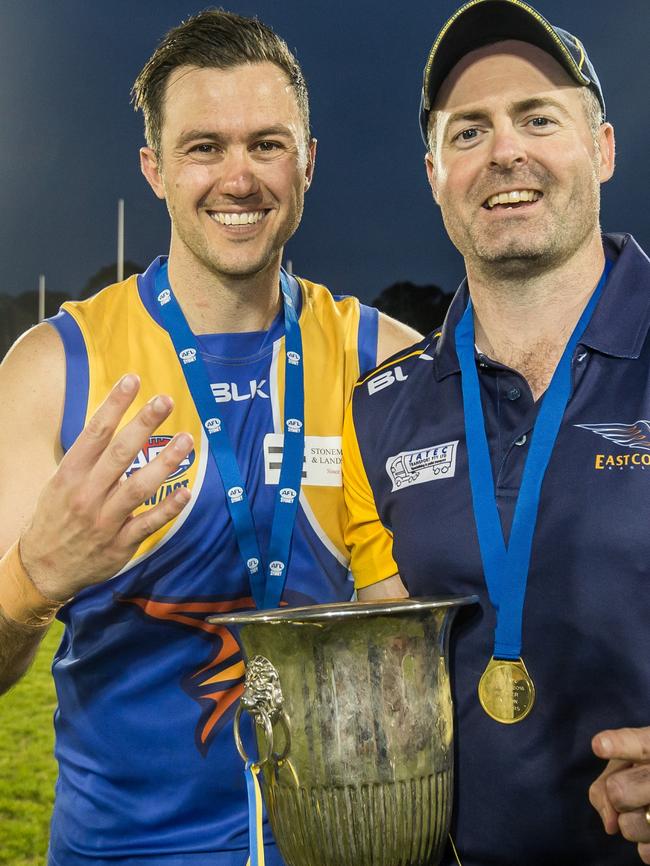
point(365, 776)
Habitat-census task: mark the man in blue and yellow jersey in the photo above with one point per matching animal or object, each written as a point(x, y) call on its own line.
point(508, 453)
point(208, 479)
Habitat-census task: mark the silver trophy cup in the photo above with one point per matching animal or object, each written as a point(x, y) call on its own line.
point(354, 727)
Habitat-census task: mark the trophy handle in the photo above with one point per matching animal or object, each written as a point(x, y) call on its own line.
point(263, 699)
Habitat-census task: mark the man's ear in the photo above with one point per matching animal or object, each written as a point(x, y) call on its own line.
point(607, 151)
point(431, 175)
point(150, 169)
point(311, 162)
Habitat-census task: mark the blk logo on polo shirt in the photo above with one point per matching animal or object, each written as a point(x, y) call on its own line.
point(384, 380)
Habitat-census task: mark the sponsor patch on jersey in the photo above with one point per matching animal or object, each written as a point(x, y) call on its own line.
point(635, 436)
point(151, 450)
point(424, 464)
point(321, 464)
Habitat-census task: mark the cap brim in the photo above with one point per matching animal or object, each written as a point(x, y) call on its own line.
point(484, 22)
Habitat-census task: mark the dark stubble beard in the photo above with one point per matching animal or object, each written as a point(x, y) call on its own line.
point(525, 256)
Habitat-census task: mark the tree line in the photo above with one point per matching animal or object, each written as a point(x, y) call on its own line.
point(421, 307)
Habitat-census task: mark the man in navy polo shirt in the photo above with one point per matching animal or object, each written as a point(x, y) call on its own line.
point(508, 454)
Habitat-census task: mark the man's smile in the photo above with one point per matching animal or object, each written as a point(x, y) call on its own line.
point(512, 198)
point(237, 218)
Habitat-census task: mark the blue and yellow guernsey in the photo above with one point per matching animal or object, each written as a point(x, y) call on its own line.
point(521, 790)
point(148, 772)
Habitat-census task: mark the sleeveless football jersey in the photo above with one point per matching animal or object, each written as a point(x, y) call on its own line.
point(148, 771)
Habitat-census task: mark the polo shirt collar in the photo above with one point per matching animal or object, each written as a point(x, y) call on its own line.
point(619, 325)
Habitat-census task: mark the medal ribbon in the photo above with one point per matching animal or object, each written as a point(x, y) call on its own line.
point(267, 584)
point(506, 569)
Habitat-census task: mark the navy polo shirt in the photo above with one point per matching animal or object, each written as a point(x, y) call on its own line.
point(521, 791)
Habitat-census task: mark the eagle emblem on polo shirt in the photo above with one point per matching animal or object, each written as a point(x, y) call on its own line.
point(635, 435)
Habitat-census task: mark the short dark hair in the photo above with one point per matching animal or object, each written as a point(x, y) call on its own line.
point(212, 39)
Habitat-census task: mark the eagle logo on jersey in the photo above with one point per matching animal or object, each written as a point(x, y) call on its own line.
point(636, 435)
point(218, 683)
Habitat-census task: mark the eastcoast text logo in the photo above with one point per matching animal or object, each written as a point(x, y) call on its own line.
point(635, 436)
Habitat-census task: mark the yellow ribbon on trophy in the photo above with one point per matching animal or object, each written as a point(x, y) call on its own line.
point(255, 832)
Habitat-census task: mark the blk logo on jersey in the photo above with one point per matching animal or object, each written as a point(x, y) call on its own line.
point(224, 392)
point(151, 450)
point(635, 436)
point(424, 464)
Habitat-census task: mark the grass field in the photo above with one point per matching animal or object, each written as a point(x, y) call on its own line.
point(27, 766)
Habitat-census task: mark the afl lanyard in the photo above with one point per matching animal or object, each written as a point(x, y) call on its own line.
point(506, 569)
point(267, 584)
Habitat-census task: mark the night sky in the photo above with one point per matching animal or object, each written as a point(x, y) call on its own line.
point(69, 138)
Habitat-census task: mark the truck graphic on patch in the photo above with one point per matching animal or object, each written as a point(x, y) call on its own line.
point(422, 465)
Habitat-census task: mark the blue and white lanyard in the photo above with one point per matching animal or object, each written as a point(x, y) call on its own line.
point(506, 569)
point(267, 584)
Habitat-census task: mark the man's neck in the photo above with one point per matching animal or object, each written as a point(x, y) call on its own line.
point(219, 304)
point(525, 323)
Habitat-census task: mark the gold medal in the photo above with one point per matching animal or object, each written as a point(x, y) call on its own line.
point(506, 691)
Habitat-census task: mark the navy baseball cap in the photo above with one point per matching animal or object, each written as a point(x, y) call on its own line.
point(484, 22)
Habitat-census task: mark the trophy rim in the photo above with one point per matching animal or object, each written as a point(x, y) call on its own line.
point(341, 610)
